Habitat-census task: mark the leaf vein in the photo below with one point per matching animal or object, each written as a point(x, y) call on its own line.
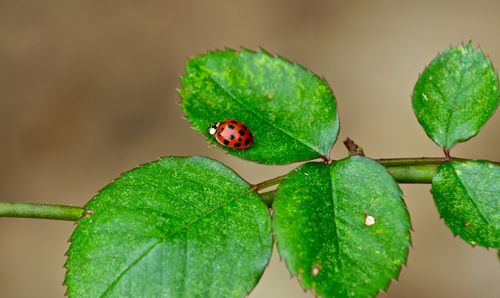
point(259, 115)
point(337, 238)
point(123, 272)
point(470, 197)
point(453, 110)
point(158, 241)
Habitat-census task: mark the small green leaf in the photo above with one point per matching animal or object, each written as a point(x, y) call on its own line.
point(178, 227)
point(342, 228)
point(455, 95)
point(467, 196)
point(290, 111)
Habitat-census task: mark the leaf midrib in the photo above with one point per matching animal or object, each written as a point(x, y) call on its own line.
point(150, 248)
point(258, 115)
point(454, 100)
point(337, 238)
point(469, 196)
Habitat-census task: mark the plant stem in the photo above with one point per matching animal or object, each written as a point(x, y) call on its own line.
point(403, 170)
point(33, 210)
point(414, 174)
point(268, 183)
point(415, 170)
point(415, 161)
point(402, 174)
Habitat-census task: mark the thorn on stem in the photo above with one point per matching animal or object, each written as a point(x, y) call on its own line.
point(87, 212)
point(447, 155)
point(353, 148)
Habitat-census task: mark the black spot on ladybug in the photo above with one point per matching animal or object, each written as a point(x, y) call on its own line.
point(231, 136)
point(237, 145)
point(242, 132)
point(233, 121)
point(247, 141)
point(230, 126)
point(239, 139)
point(244, 127)
point(226, 142)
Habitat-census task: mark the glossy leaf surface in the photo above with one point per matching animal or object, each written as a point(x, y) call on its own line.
point(455, 95)
point(467, 195)
point(343, 228)
point(177, 227)
point(290, 111)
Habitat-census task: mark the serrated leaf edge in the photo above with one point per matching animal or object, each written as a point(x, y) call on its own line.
point(250, 190)
point(261, 50)
point(472, 243)
point(312, 289)
point(463, 45)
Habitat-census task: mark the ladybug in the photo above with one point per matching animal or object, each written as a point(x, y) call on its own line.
point(232, 134)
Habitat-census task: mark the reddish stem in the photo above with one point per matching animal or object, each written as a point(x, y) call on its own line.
point(447, 155)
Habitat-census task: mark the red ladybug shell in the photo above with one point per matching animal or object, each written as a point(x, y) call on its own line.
point(232, 134)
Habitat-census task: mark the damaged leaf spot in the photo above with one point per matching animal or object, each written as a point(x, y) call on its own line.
point(466, 194)
point(336, 255)
point(87, 212)
point(316, 268)
point(369, 220)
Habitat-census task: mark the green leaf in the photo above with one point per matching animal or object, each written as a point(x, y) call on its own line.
point(343, 228)
point(455, 95)
point(290, 111)
point(177, 227)
point(467, 196)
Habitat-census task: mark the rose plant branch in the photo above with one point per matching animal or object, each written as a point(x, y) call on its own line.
point(46, 211)
point(419, 170)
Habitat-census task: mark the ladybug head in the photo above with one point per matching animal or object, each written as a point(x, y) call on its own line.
point(213, 128)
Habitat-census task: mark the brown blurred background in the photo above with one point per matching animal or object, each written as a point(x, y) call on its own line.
point(87, 91)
